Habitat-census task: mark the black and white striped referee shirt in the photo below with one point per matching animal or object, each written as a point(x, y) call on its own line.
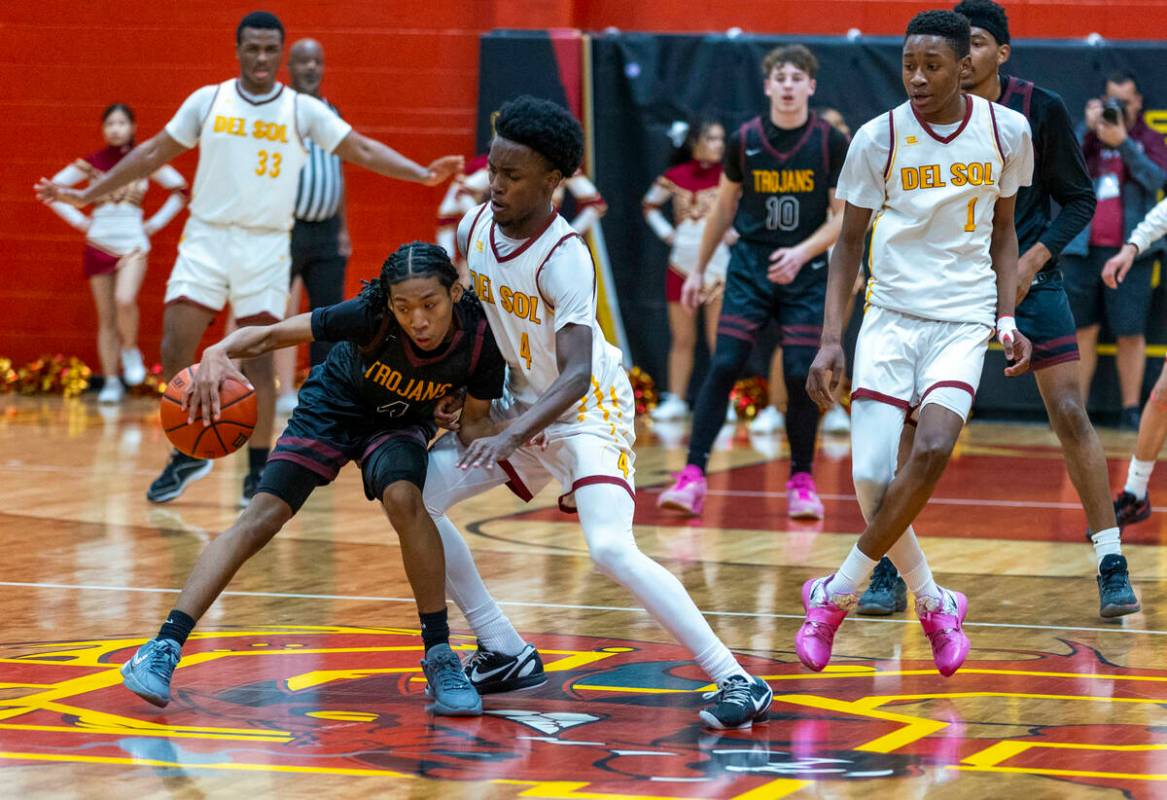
point(321, 183)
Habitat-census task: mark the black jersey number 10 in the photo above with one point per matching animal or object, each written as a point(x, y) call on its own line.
point(781, 213)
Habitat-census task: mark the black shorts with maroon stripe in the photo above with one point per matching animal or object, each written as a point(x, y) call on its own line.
point(1045, 318)
point(312, 449)
point(752, 300)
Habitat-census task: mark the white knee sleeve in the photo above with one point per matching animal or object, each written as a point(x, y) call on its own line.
point(875, 441)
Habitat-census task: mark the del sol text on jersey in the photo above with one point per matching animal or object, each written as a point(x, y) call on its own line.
point(520, 304)
point(413, 389)
point(237, 126)
point(930, 176)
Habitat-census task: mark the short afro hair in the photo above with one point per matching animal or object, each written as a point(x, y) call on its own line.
point(545, 127)
point(987, 15)
point(948, 25)
point(260, 20)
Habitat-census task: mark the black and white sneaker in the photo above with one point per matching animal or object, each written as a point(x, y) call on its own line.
point(250, 484)
point(738, 703)
point(492, 673)
point(1116, 596)
point(180, 472)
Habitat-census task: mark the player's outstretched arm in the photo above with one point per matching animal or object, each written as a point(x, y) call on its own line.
point(830, 363)
point(201, 397)
point(141, 162)
point(384, 160)
point(1003, 252)
point(573, 354)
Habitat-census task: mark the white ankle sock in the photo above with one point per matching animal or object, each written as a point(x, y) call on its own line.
point(719, 663)
point(1106, 543)
point(854, 572)
point(1138, 475)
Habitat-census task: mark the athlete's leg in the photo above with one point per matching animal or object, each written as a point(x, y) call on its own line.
point(262, 374)
point(683, 332)
point(1060, 389)
point(734, 343)
point(131, 271)
point(1088, 350)
point(1133, 503)
point(1132, 364)
point(286, 358)
point(183, 325)
point(108, 341)
point(324, 281)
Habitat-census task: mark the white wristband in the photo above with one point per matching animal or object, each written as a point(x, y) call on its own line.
point(1005, 327)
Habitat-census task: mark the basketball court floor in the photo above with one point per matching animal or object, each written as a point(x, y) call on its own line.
point(303, 680)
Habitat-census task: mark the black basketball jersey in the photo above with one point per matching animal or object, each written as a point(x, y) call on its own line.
point(376, 377)
point(784, 194)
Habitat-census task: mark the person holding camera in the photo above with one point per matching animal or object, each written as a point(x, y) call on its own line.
point(1128, 163)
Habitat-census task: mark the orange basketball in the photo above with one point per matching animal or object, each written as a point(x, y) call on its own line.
point(236, 422)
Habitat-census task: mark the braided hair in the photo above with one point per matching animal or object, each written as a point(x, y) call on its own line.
point(412, 260)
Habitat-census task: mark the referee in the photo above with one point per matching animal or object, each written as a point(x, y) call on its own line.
point(320, 240)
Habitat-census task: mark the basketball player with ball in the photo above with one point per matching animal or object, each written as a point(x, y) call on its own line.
point(410, 338)
point(235, 247)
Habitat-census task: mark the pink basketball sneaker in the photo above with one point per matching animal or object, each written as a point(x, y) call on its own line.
point(825, 612)
point(688, 493)
point(941, 620)
point(802, 497)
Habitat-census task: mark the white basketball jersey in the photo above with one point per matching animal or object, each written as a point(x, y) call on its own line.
point(930, 241)
point(520, 316)
point(249, 167)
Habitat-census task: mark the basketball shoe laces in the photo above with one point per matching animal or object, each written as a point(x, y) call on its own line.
point(883, 579)
point(448, 671)
point(1113, 580)
point(163, 660)
point(734, 691)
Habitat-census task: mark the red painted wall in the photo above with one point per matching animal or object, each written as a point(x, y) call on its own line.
point(404, 71)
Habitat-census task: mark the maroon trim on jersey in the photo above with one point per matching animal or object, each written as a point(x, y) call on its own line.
point(593, 480)
point(262, 318)
point(756, 123)
point(273, 98)
point(743, 137)
point(947, 385)
point(996, 132)
point(416, 359)
point(1017, 86)
point(479, 341)
point(891, 144)
point(826, 129)
point(401, 433)
point(305, 462)
point(191, 302)
point(316, 446)
point(1036, 364)
point(470, 233)
point(525, 245)
point(879, 397)
point(515, 483)
point(546, 258)
point(968, 109)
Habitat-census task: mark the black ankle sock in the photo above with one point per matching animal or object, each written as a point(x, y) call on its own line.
point(177, 627)
point(435, 628)
point(256, 458)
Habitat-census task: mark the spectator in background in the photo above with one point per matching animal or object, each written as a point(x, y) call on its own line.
point(1128, 162)
point(320, 240)
point(457, 200)
point(117, 242)
point(690, 184)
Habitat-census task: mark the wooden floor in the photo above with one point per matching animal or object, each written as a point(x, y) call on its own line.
point(302, 681)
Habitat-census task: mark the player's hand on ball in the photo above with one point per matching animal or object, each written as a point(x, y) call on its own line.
point(489, 450)
point(1018, 351)
point(201, 397)
point(826, 372)
point(442, 169)
point(448, 412)
point(693, 290)
point(48, 192)
point(1117, 266)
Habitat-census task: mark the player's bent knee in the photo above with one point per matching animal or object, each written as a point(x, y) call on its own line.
point(612, 558)
point(403, 502)
point(1069, 416)
point(931, 452)
point(264, 517)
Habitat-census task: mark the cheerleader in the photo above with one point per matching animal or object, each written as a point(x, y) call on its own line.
point(691, 185)
point(117, 241)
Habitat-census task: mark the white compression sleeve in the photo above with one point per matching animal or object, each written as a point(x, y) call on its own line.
point(605, 513)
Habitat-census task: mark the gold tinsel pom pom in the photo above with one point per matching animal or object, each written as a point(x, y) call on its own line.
point(643, 390)
point(46, 375)
point(748, 397)
point(153, 386)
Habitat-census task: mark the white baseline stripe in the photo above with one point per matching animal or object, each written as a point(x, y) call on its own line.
point(1117, 628)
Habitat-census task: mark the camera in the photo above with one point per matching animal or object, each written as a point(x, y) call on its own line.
point(1113, 110)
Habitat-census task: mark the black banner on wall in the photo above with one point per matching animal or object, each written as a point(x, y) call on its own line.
point(642, 83)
